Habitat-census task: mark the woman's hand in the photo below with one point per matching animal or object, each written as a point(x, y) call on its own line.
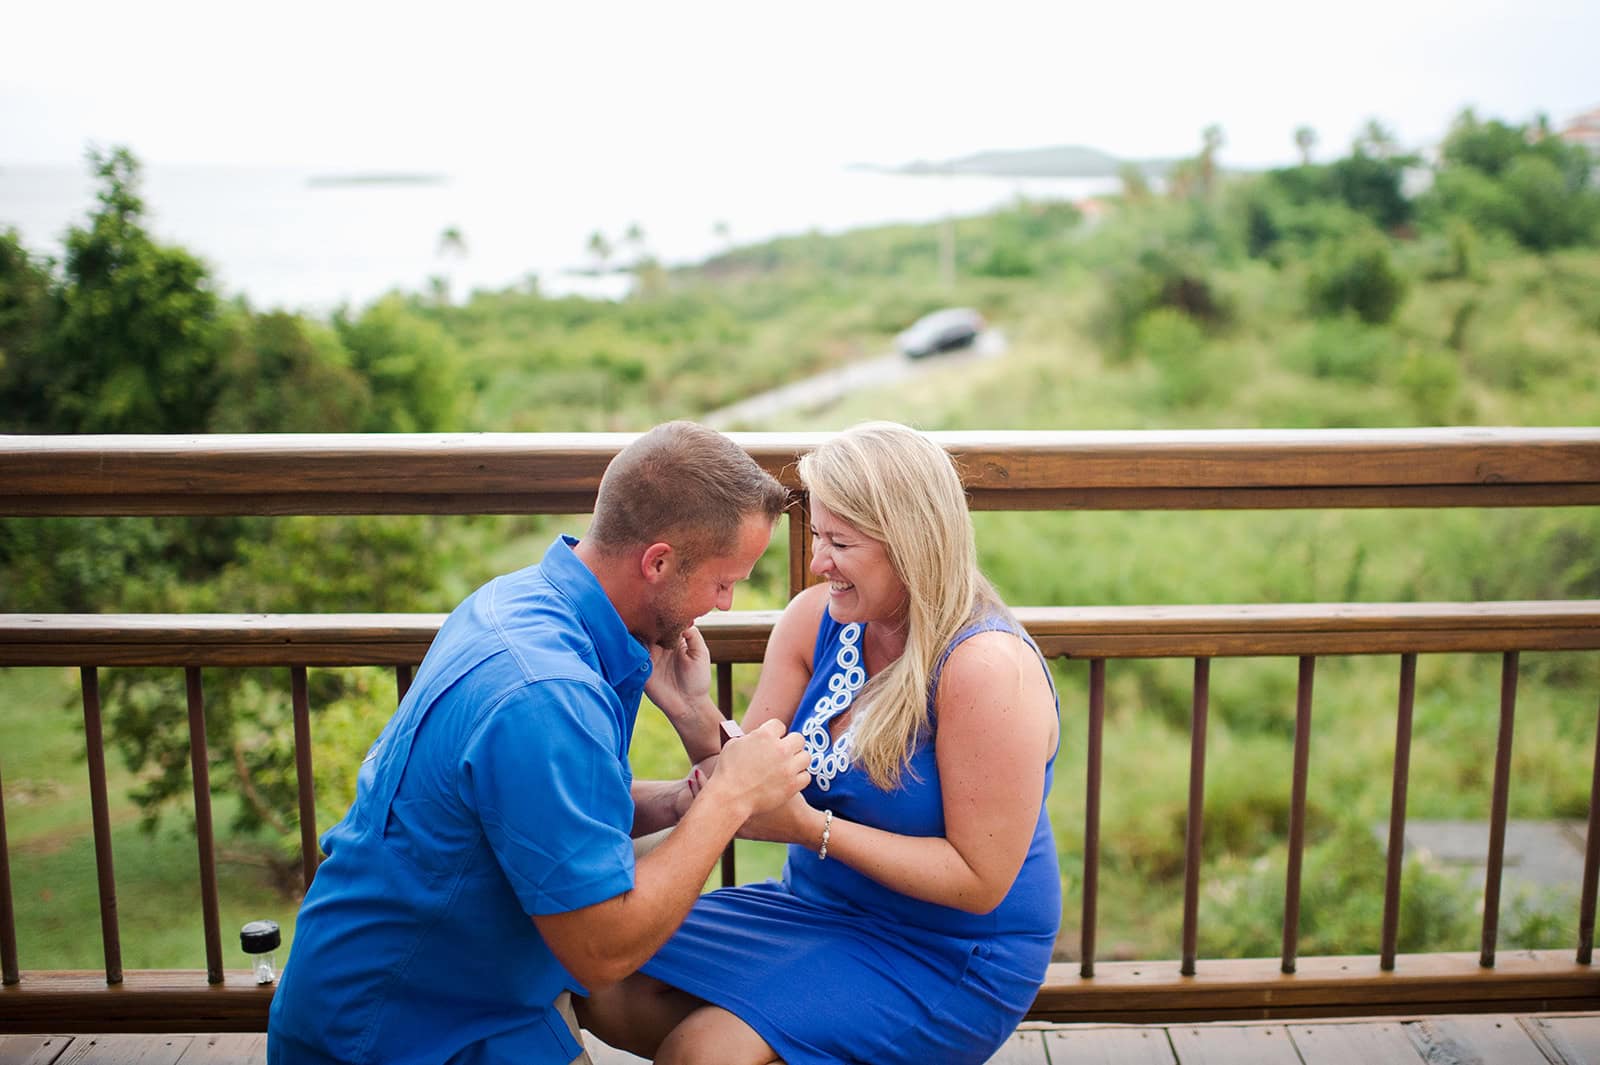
point(698, 775)
point(796, 821)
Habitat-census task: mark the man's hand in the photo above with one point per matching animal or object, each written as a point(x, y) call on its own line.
point(680, 676)
point(602, 943)
point(680, 684)
point(761, 770)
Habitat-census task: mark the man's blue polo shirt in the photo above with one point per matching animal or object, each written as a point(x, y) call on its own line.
point(499, 789)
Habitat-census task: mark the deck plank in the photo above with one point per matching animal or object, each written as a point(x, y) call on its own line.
point(1023, 1048)
point(127, 1049)
point(230, 1048)
point(1110, 1046)
point(1570, 1040)
point(1486, 1039)
point(1463, 1039)
point(1228, 1044)
point(32, 1049)
point(1342, 1044)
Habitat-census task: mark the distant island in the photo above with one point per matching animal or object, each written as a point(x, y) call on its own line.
point(1066, 160)
point(378, 178)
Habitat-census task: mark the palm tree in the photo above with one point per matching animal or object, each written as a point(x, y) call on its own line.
point(1305, 139)
point(600, 248)
point(1183, 178)
point(1377, 140)
point(1135, 185)
point(451, 242)
point(634, 238)
point(1211, 143)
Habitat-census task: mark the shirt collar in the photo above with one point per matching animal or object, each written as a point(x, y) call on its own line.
point(621, 655)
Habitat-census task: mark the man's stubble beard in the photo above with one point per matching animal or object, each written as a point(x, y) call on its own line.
point(670, 622)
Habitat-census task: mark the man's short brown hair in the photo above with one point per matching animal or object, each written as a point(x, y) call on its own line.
point(685, 485)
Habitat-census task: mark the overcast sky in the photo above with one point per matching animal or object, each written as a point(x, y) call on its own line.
point(450, 85)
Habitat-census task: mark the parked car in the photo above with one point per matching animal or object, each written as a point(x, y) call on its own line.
point(953, 327)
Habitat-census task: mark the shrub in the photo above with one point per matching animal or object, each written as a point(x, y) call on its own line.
point(1176, 346)
point(1357, 274)
point(1341, 903)
point(1548, 211)
point(1431, 380)
point(1516, 180)
point(1462, 258)
point(1006, 259)
point(1168, 337)
point(1343, 348)
point(26, 319)
point(1158, 278)
point(1371, 186)
point(1467, 195)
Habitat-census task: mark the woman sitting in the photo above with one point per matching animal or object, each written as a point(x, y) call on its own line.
point(921, 896)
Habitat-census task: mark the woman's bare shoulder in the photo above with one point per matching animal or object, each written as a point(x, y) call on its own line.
point(989, 650)
point(796, 630)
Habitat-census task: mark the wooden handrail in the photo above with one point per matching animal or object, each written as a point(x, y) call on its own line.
point(741, 636)
point(554, 473)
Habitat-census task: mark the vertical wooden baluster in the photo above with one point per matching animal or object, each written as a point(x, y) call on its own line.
point(1498, 807)
point(200, 766)
point(1195, 824)
point(1397, 810)
point(725, 704)
point(94, 746)
point(799, 544)
point(1591, 863)
point(305, 782)
point(1297, 811)
point(402, 682)
point(9, 972)
point(1091, 814)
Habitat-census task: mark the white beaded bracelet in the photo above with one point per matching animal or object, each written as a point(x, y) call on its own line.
point(827, 827)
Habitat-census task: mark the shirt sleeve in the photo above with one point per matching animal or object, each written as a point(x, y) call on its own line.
point(551, 791)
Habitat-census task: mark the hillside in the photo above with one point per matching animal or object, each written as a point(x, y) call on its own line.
point(1066, 160)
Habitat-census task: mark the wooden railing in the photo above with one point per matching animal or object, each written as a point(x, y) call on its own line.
point(545, 474)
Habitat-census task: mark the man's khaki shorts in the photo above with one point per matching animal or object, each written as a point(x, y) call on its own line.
point(564, 1004)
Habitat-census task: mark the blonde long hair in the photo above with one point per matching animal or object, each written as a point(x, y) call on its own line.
point(898, 487)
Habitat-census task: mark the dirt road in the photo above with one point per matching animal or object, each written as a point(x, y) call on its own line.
point(814, 393)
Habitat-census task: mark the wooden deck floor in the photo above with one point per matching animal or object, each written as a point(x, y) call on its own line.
point(1486, 1039)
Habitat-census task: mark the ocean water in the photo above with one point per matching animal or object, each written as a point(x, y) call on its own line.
point(287, 237)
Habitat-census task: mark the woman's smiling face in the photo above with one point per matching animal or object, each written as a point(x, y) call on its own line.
point(862, 583)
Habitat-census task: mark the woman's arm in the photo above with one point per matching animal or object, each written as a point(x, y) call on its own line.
point(997, 726)
point(659, 804)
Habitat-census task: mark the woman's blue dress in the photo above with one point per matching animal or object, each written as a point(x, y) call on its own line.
point(831, 966)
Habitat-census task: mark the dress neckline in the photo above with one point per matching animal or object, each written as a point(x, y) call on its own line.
point(847, 675)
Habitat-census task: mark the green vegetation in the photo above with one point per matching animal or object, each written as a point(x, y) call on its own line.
point(1311, 296)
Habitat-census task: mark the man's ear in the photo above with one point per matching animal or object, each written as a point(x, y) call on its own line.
point(657, 561)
